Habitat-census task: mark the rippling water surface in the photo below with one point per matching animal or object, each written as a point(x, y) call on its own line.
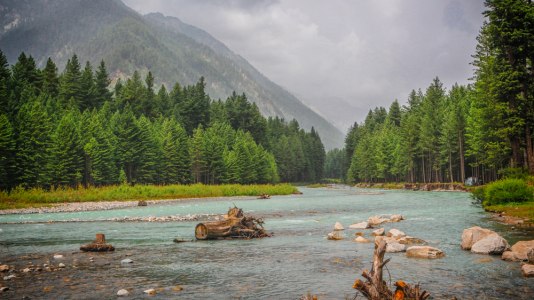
point(296, 260)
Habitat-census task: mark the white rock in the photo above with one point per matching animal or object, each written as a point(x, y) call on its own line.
point(492, 244)
point(474, 234)
point(361, 240)
point(396, 218)
point(378, 232)
point(424, 252)
point(395, 233)
point(123, 293)
point(394, 248)
point(361, 225)
point(338, 227)
point(374, 221)
point(27, 270)
point(61, 265)
point(126, 261)
point(58, 256)
point(150, 291)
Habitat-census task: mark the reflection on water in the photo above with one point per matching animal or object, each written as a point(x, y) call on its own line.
point(296, 260)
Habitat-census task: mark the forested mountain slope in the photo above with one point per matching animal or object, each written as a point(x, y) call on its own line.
point(172, 50)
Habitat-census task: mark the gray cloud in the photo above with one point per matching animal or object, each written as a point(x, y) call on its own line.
point(367, 53)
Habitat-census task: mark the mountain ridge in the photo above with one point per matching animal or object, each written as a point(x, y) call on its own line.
point(174, 51)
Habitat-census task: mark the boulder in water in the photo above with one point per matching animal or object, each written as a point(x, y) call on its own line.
point(519, 251)
point(388, 240)
point(361, 225)
point(527, 270)
point(424, 252)
point(374, 221)
point(491, 244)
point(338, 227)
point(394, 248)
point(474, 234)
point(395, 233)
point(378, 232)
point(530, 256)
point(395, 218)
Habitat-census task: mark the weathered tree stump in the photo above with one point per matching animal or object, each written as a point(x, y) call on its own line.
point(142, 203)
point(98, 245)
point(264, 196)
point(235, 225)
point(375, 288)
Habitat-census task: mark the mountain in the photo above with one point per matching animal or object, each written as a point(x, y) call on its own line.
point(172, 50)
point(336, 110)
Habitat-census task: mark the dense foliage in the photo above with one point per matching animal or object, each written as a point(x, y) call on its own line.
point(474, 130)
point(69, 129)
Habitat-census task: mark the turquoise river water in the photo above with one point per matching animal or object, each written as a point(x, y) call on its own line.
point(298, 259)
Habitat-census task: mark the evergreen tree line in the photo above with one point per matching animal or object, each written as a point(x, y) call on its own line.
point(476, 130)
point(70, 128)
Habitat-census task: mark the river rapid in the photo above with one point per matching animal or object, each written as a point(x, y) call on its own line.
point(298, 259)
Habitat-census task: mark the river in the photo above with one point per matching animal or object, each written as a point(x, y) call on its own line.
point(298, 259)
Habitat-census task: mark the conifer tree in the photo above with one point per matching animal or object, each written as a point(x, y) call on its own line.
point(70, 90)
point(7, 152)
point(5, 82)
point(50, 79)
point(66, 155)
point(88, 88)
point(102, 82)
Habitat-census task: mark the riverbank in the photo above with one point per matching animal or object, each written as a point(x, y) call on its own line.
point(428, 187)
point(21, 198)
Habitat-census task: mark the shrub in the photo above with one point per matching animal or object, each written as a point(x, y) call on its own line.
point(514, 173)
point(478, 194)
point(507, 190)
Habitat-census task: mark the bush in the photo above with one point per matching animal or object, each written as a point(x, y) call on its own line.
point(514, 173)
point(478, 194)
point(506, 191)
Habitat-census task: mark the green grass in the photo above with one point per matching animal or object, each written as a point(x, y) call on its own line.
point(317, 185)
point(37, 197)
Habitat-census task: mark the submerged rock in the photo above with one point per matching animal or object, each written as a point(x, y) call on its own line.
point(492, 244)
point(338, 227)
point(474, 234)
point(361, 225)
point(334, 236)
point(150, 292)
point(424, 252)
point(361, 240)
point(527, 270)
point(395, 233)
point(378, 232)
point(122, 293)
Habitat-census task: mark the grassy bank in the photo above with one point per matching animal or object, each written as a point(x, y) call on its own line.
point(317, 185)
point(22, 198)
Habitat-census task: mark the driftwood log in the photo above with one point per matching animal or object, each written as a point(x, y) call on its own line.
point(264, 196)
point(235, 225)
point(98, 245)
point(375, 288)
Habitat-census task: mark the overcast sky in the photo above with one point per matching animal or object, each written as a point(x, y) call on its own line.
point(367, 53)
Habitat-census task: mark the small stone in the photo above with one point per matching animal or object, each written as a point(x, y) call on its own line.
point(123, 293)
point(4, 289)
point(396, 218)
point(178, 288)
point(334, 236)
point(38, 269)
point(484, 259)
point(150, 292)
point(359, 233)
point(378, 232)
point(4, 268)
point(58, 256)
point(91, 258)
point(6, 278)
point(27, 270)
point(61, 265)
point(408, 240)
point(395, 233)
point(361, 240)
point(338, 227)
point(126, 261)
point(424, 252)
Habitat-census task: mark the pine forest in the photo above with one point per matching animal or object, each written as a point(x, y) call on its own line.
point(74, 128)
